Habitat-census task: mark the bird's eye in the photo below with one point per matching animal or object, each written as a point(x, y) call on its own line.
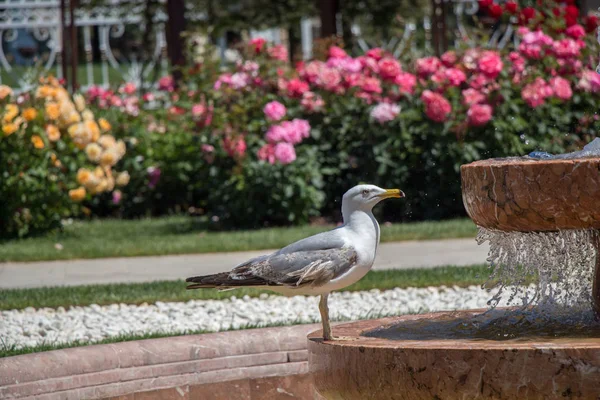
point(365, 192)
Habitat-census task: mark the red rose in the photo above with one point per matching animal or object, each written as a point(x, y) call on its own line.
point(556, 11)
point(591, 23)
point(495, 11)
point(570, 20)
point(511, 7)
point(528, 13)
point(485, 3)
point(572, 11)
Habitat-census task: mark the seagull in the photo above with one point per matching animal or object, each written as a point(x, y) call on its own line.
point(318, 264)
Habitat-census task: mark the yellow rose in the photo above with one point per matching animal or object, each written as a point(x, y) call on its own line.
point(83, 175)
point(99, 172)
point(93, 152)
point(92, 126)
point(108, 158)
point(29, 114)
point(104, 125)
point(44, 92)
point(10, 112)
point(110, 183)
point(55, 161)
point(79, 102)
point(37, 141)
point(53, 133)
point(91, 183)
point(87, 115)
point(52, 111)
point(5, 91)
point(102, 186)
point(120, 148)
point(77, 194)
point(9, 129)
point(107, 141)
point(122, 178)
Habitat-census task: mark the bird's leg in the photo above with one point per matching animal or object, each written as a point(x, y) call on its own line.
point(324, 309)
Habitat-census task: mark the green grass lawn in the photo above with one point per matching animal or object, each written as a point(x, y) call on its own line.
point(167, 291)
point(175, 291)
point(185, 235)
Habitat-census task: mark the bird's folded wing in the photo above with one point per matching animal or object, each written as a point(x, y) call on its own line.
point(299, 268)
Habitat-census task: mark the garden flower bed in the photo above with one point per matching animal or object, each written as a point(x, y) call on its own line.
point(266, 143)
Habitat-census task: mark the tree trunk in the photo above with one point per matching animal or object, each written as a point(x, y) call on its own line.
point(175, 27)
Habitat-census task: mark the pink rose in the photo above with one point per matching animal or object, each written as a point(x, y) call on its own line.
point(267, 153)
point(535, 94)
point(116, 197)
point(166, 83)
point(452, 76)
point(479, 114)
point(518, 62)
point(389, 68)
point(479, 82)
point(369, 64)
point(406, 82)
point(302, 127)
point(235, 147)
point(376, 54)
point(311, 71)
point(239, 80)
point(566, 48)
point(427, 66)
point(278, 52)
point(284, 153)
point(384, 112)
point(561, 88)
point(198, 110)
point(257, 44)
point(575, 31)
point(437, 108)
point(296, 88)
point(312, 102)
point(330, 79)
point(371, 85)
point(337, 52)
point(472, 96)
point(276, 133)
point(207, 148)
point(449, 58)
point(274, 110)
point(490, 64)
point(128, 88)
point(589, 82)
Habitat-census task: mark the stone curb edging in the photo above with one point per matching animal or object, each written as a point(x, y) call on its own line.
point(110, 370)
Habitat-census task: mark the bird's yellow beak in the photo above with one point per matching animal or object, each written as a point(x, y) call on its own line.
point(392, 194)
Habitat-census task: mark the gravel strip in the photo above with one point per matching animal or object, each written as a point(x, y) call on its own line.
point(30, 327)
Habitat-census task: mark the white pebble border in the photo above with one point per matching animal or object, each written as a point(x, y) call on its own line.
point(31, 327)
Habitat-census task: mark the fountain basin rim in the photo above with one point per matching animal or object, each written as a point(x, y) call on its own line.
point(356, 330)
point(505, 161)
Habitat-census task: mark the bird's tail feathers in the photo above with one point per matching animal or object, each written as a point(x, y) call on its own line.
point(223, 281)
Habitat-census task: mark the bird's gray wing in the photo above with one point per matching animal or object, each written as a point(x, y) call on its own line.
point(313, 261)
point(297, 269)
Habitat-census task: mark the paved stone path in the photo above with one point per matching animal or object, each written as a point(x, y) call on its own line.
point(397, 255)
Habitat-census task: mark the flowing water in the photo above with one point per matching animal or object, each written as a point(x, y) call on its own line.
point(546, 278)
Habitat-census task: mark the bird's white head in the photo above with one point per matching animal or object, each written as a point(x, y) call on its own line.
point(365, 197)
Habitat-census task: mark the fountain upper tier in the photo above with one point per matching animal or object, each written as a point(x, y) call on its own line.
point(528, 195)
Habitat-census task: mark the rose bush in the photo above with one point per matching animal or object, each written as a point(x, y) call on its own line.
point(263, 142)
point(54, 157)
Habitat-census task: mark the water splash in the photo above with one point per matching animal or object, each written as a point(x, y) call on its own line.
point(560, 266)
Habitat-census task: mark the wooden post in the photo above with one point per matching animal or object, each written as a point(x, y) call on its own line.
point(328, 10)
point(175, 27)
point(63, 40)
point(438, 27)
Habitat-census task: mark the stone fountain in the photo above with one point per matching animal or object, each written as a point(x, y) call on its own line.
point(540, 338)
